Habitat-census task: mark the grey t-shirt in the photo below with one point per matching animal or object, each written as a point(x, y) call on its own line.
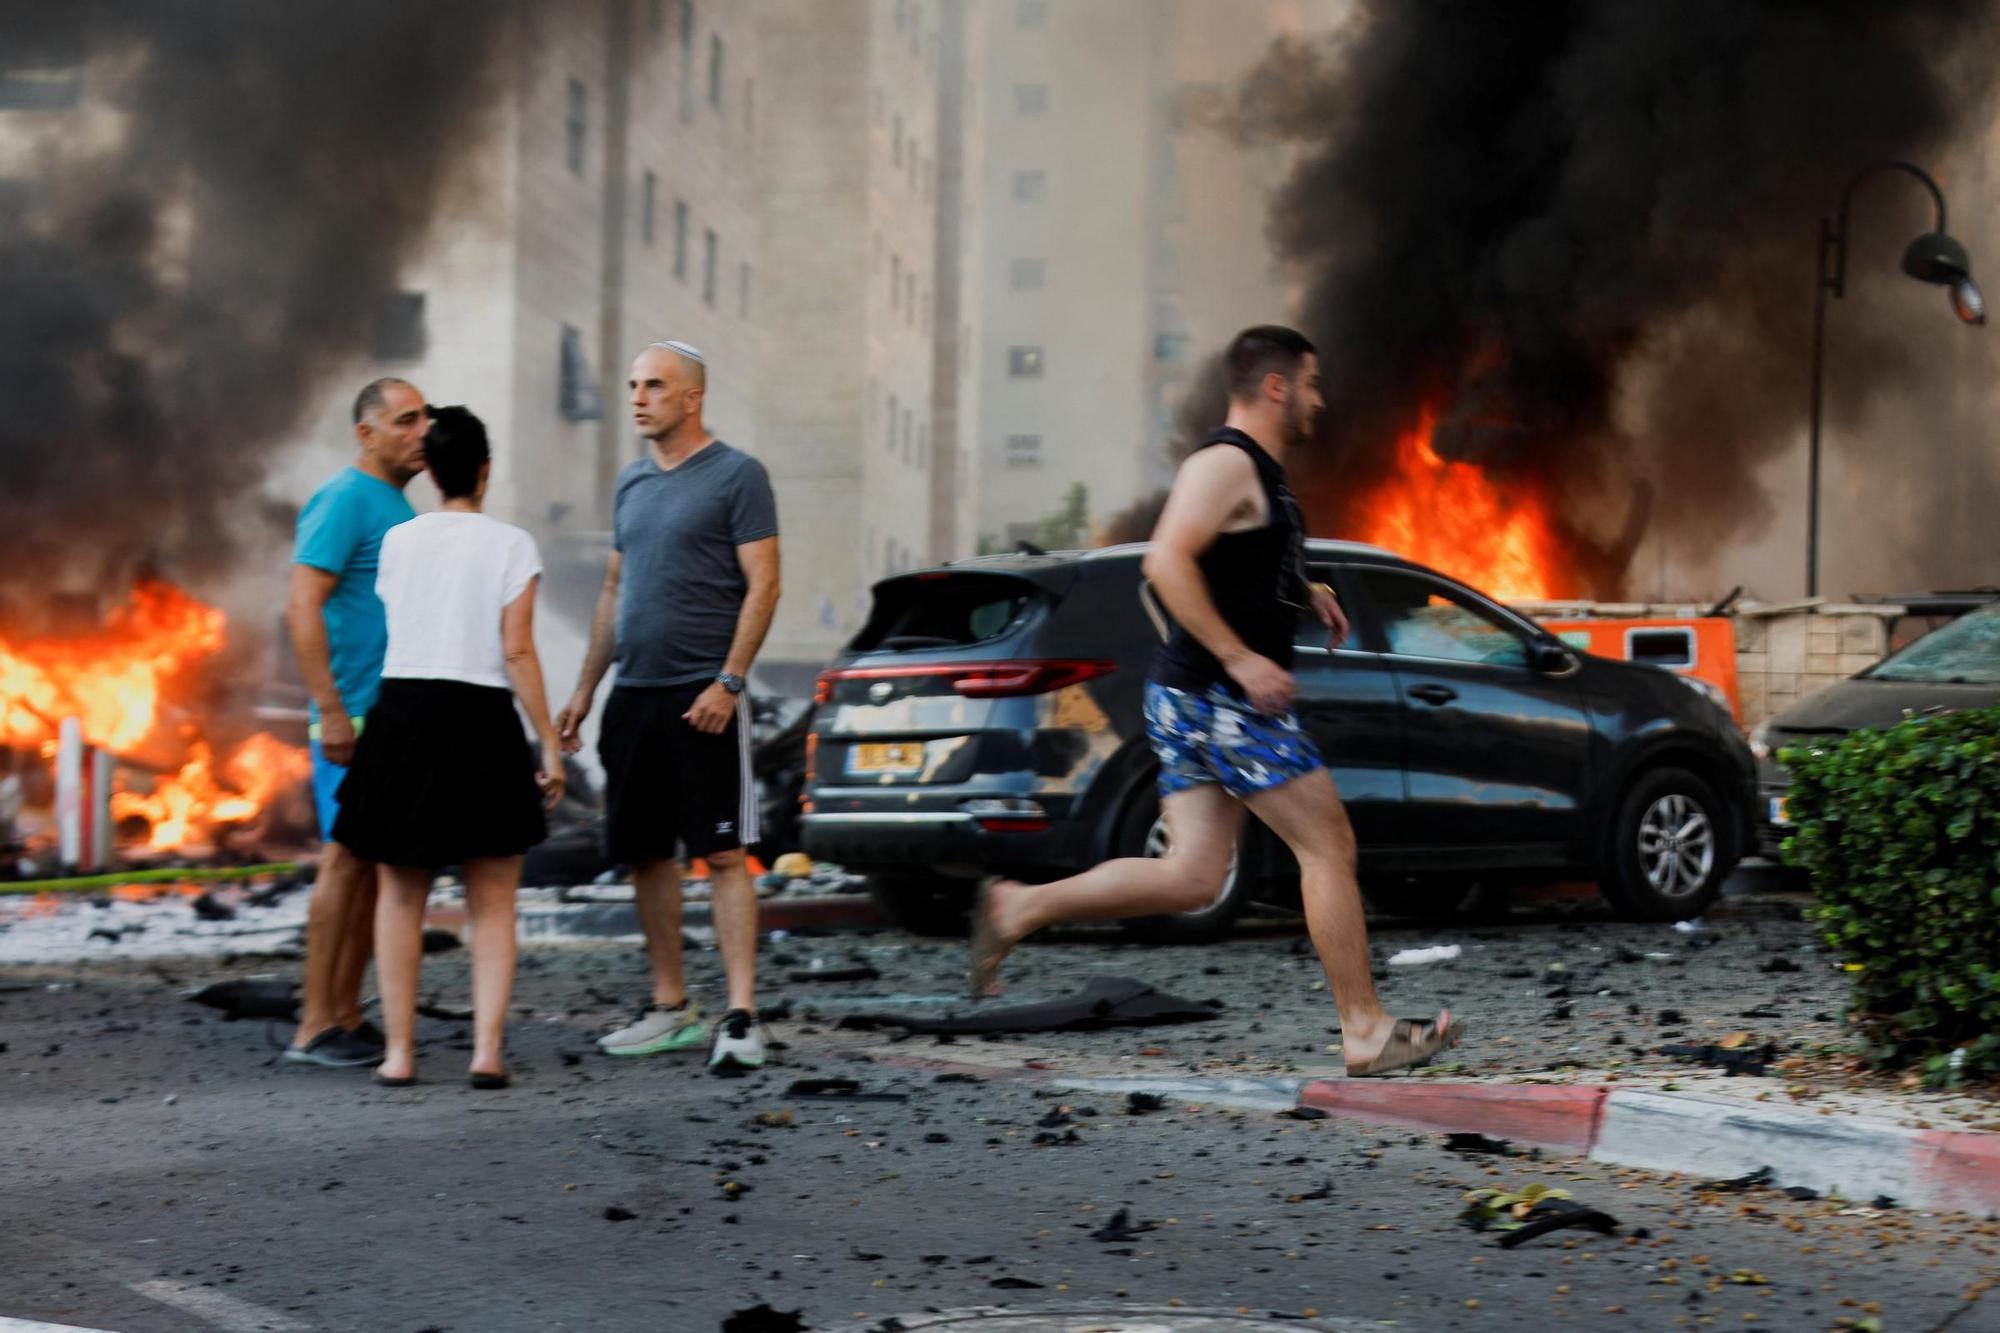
point(681, 588)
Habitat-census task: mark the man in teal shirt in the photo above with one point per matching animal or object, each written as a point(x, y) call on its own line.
point(340, 633)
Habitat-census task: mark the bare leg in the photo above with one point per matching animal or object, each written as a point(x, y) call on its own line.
point(734, 899)
point(490, 883)
point(340, 909)
point(350, 968)
point(1203, 822)
point(1306, 812)
point(399, 958)
point(656, 890)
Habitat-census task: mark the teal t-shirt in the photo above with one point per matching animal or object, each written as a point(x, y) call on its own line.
point(340, 531)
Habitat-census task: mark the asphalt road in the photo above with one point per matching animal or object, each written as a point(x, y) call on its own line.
point(158, 1171)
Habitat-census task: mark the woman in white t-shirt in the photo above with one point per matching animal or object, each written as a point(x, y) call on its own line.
point(442, 775)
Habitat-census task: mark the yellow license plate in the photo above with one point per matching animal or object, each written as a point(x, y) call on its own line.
point(887, 757)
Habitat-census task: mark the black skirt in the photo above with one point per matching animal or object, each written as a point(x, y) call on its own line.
point(441, 774)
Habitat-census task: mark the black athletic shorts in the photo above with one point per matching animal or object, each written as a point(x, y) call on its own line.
point(668, 784)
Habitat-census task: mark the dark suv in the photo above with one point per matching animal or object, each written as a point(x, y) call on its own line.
point(987, 718)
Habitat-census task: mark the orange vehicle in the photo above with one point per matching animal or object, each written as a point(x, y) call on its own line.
point(1704, 648)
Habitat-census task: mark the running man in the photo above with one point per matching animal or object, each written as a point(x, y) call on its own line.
point(1228, 560)
point(340, 633)
point(686, 603)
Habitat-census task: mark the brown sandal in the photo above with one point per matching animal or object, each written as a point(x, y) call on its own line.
point(983, 980)
point(1412, 1042)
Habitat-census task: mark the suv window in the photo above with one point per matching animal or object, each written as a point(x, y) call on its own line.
point(928, 611)
point(1424, 618)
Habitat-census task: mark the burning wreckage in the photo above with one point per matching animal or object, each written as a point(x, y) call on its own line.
point(141, 738)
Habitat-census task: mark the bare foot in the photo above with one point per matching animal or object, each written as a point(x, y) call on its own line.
point(993, 935)
point(487, 1065)
point(397, 1065)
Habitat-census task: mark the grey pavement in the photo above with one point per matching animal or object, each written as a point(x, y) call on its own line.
point(161, 1171)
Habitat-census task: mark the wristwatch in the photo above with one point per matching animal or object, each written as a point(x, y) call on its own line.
point(734, 684)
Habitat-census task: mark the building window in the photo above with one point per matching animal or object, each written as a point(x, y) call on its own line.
point(1024, 363)
point(915, 158)
point(902, 13)
point(656, 14)
point(577, 398)
point(1031, 13)
point(910, 297)
point(41, 86)
point(1024, 451)
point(649, 194)
point(680, 238)
point(399, 328)
point(923, 446)
point(743, 290)
point(687, 60)
point(715, 71)
point(1031, 99)
point(1170, 346)
point(576, 126)
point(1031, 187)
point(708, 249)
point(749, 104)
point(909, 433)
point(892, 423)
point(1027, 275)
point(895, 281)
point(896, 141)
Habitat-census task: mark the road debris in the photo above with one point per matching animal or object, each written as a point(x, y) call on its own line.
point(839, 1090)
point(1106, 1002)
point(1437, 953)
point(1122, 1228)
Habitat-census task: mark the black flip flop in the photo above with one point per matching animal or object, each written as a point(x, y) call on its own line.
point(384, 1082)
point(489, 1082)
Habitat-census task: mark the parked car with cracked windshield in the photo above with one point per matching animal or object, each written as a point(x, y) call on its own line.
point(987, 718)
point(1954, 667)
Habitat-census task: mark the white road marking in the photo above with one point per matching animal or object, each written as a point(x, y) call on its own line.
point(225, 1312)
point(36, 1326)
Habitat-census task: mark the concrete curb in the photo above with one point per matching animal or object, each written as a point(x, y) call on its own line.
point(1854, 1156)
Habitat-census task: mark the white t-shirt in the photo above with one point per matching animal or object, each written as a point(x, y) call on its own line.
point(444, 578)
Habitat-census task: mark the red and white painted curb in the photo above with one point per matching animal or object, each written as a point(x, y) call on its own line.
point(1855, 1157)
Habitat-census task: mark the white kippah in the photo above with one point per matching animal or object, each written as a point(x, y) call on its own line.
point(688, 350)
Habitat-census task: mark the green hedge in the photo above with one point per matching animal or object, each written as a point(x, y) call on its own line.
point(1900, 830)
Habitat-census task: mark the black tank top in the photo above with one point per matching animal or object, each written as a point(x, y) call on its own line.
point(1256, 579)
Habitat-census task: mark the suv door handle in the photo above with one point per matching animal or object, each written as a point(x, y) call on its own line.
point(1434, 694)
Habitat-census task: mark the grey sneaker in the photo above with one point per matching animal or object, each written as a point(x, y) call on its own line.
point(335, 1048)
point(657, 1028)
point(739, 1044)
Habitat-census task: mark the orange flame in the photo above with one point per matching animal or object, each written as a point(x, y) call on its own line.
point(193, 799)
point(114, 679)
point(110, 679)
point(1452, 517)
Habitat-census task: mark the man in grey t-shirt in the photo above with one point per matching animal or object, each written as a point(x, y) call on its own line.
point(687, 600)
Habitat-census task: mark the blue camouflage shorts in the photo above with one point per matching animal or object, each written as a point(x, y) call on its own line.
point(1215, 737)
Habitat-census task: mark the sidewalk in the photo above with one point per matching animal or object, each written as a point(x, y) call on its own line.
point(1931, 1151)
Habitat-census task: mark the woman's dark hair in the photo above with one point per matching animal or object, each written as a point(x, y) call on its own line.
point(454, 450)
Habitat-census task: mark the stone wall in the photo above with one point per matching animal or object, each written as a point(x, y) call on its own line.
point(1788, 652)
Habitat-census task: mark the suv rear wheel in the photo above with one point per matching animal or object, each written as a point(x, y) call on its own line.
point(1670, 848)
point(1143, 832)
point(924, 904)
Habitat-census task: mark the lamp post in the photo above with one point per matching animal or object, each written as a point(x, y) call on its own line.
point(1933, 257)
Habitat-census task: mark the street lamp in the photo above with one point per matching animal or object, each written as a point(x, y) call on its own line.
point(1933, 257)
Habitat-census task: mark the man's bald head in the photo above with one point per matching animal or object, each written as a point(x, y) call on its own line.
point(666, 387)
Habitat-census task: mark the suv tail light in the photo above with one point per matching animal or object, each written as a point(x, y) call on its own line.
point(979, 680)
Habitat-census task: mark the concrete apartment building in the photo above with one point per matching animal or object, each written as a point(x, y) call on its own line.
point(1122, 237)
point(760, 179)
point(849, 197)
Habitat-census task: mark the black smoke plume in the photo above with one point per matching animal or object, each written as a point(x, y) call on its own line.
point(215, 201)
point(1583, 231)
